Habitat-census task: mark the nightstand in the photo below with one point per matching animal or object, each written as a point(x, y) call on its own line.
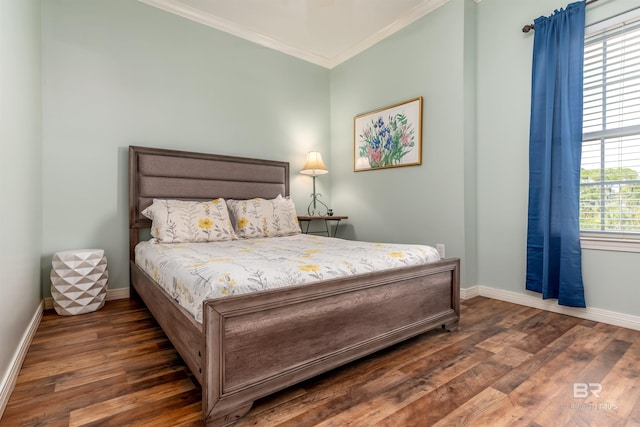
point(327, 223)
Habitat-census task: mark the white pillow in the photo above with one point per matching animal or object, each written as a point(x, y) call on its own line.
point(179, 221)
point(264, 218)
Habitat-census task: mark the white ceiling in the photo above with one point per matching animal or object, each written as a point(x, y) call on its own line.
point(324, 32)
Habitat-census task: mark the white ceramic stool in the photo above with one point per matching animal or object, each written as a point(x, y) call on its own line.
point(79, 281)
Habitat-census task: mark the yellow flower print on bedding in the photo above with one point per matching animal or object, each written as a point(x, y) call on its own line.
point(242, 223)
point(310, 268)
point(396, 254)
point(226, 279)
point(227, 282)
point(183, 291)
point(259, 218)
point(184, 221)
point(310, 252)
point(205, 223)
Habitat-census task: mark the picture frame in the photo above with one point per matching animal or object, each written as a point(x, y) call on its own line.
point(389, 137)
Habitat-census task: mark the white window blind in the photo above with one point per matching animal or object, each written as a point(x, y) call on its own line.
point(610, 169)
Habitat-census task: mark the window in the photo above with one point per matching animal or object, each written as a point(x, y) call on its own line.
point(610, 169)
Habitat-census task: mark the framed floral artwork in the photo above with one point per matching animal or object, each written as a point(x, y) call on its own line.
point(389, 137)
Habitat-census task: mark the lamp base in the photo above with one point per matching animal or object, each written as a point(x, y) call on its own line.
point(314, 209)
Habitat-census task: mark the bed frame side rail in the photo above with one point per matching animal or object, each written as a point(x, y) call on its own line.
point(180, 327)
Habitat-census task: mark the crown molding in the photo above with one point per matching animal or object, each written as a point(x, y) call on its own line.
point(416, 13)
point(232, 28)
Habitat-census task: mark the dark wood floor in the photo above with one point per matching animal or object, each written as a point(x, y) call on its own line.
point(507, 365)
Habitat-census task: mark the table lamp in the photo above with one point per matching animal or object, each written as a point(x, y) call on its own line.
point(314, 167)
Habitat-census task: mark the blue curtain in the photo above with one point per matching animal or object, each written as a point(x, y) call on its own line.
point(554, 258)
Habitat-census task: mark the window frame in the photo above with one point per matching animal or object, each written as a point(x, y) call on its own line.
point(610, 240)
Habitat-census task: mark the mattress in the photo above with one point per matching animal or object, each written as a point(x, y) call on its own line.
point(194, 272)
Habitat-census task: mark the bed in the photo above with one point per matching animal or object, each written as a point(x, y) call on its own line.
point(287, 327)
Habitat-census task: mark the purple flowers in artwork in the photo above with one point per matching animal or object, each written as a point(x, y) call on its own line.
point(386, 143)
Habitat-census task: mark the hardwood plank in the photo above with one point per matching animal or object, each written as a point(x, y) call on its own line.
point(517, 376)
point(446, 398)
point(542, 329)
point(73, 380)
point(500, 341)
point(522, 314)
point(634, 415)
point(142, 398)
point(469, 413)
point(379, 407)
point(507, 365)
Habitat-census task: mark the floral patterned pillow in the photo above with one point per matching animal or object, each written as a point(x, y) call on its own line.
point(264, 218)
point(179, 221)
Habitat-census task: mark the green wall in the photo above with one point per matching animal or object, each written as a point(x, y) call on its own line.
point(434, 202)
point(20, 173)
point(503, 91)
point(120, 73)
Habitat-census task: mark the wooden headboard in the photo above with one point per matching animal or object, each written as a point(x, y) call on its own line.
point(156, 173)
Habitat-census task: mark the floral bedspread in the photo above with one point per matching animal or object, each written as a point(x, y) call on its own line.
point(194, 272)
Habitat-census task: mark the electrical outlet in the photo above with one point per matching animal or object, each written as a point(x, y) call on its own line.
point(440, 248)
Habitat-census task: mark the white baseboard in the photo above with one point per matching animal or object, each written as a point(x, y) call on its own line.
point(469, 293)
point(118, 293)
point(9, 382)
point(589, 313)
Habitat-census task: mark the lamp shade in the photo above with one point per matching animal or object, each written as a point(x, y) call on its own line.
point(314, 164)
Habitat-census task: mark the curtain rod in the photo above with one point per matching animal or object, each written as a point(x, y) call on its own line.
point(529, 27)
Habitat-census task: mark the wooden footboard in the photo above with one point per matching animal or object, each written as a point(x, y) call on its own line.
point(256, 346)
